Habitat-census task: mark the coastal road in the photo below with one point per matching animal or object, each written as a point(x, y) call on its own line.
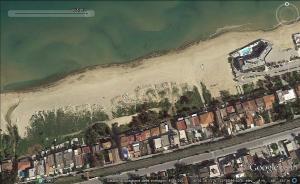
point(201, 150)
point(219, 153)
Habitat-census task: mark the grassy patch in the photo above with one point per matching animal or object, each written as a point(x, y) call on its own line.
point(48, 126)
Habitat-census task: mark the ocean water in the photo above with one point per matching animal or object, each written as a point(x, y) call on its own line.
point(35, 50)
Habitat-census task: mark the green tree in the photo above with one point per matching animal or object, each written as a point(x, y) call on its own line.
point(225, 95)
point(206, 94)
point(97, 131)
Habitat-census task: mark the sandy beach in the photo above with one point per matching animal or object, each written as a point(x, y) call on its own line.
point(204, 62)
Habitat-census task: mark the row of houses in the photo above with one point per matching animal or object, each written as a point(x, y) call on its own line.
point(276, 159)
point(230, 118)
point(234, 116)
point(62, 159)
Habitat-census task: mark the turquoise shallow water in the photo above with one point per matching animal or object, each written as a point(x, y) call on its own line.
point(36, 48)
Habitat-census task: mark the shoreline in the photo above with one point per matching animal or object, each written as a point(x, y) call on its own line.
point(116, 85)
point(55, 79)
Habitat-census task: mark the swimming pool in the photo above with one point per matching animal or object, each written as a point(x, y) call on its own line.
point(245, 51)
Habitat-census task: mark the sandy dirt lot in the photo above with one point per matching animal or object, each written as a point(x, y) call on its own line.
point(206, 62)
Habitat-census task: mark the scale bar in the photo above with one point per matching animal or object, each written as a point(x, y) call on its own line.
point(50, 13)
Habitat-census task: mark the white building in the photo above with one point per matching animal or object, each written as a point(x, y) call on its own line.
point(182, 135)
point(286, 96)
point(296, 39)
point(214, 171)
point(157, 143)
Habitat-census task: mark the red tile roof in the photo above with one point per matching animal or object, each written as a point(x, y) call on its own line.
point(131, 139)
point(24, 164)
point(138, 137)
point(230, 109)
point(78, 160)
point(180, 125)
point(249, 105)
point(155, 131)
point(146, 134)
point(206, 119)
point(269, 101)
point(249, 119)
point(259, 121)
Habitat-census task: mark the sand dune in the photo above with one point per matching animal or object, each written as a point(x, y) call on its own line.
point(206, 62)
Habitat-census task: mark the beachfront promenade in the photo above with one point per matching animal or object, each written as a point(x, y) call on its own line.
point(240, 139)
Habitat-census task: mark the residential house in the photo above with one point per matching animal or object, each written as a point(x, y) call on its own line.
point(260, 104)
point(50, 164)
point(223, 112)
point(249, 120)
point(115, 155)
point(295, 155)
point(146, 134)
point(106, 144)
point(190, 135)
point(40, 167)
point(182, 136)
point(228, 169)
point(206, 119)
point(188, 122)
point(230, 109)
point(165, 142)
point(59, 160)
point(174, 139)
point(239, 108)
point(6, 165)
point(156, 144)
point(195, 120)
point(204, 172)
point(259, 121)
point(219, 118)
point(78, 159)
point(249, 106)
point(23, 165)
point(108, 157)
point(289, 146)
point(31, 173)
point(135, 151)
point(260, 152)
point(164, 128)
point(285, 96)
point(97, 148)
point(86, 155)
point(214, 171)
point(138, 137)
point(155, 132)
point(285, 168)
point(144, 148)
point(180, 124)
point(130, 139)
point(68, 159)
point(124, 140)
point(269, 100)
point(197, 134)
point(248, 161)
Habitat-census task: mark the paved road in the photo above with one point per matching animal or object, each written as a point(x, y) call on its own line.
point(219, 153)
point(238, 140)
